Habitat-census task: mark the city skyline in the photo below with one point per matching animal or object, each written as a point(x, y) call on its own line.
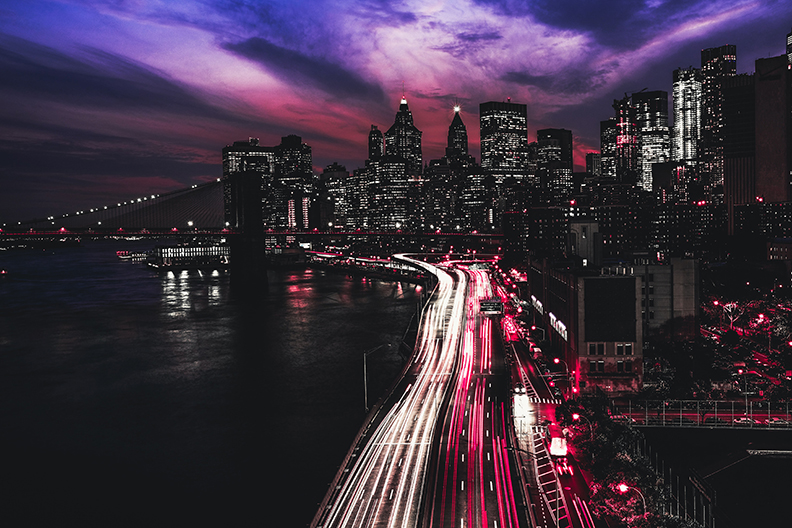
point(105, 100)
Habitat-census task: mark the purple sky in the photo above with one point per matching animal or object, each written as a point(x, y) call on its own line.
point(108, 100)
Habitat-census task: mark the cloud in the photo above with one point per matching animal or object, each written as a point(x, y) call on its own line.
point(295, 67)
point(96, 80)
point(619, 24)
point(575, 83)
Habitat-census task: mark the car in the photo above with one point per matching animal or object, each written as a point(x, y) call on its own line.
point(746, 421)
point(622, 419)
point(563, 467)
point(778, 422)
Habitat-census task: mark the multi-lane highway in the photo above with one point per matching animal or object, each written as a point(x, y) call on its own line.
point(473, 482)
point(442, 450)
point(383, 482)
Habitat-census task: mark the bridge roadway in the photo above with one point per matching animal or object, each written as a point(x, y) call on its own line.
point(435, 453)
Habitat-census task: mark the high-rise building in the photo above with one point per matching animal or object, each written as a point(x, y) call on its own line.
point(333, 182)
point(608, 133)
point(357, 197)
point(739, 143)
point(687, 115)
point(504, 139)
point(457, 136)
point(294, 164)
point(716, 63)
point(376, 143)
point(594, 163)
point(388, 186)
point(403, 139)
point(789, 47)
point(564, 139)
point(773, 129)
point(651, 115)
point(554, 163)
point(627, 151)
point(245, 156)
point(444, 182)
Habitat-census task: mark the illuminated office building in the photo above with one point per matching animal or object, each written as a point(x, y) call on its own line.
point(716, 64)
point(245, 156)
point(789, 47)
point(554, 163)
point(651, 115)
point(626, 152)
point(457, 136)
point(388, 186)
point(608, 132)
point(594, 163)
point(504, 139)
point(376, 143)
point(687, 115)
point(403, 139)
point(294, 164)
point(563, 138)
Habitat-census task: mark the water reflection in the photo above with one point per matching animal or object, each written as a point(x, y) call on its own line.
point(190, 290)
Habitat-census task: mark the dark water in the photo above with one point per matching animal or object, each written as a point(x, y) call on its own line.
point(132, 398)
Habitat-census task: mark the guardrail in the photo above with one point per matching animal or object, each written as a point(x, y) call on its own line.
point(704, 413)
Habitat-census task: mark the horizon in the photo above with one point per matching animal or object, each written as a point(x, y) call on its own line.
point(107, 101)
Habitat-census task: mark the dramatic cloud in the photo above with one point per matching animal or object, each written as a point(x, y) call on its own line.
point(102, 91)
point(297, 68)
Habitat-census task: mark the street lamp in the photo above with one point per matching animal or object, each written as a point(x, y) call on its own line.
point(566, 369)
point(623, 488)
point(576, 417)
point(365, 375)
point(534, 328)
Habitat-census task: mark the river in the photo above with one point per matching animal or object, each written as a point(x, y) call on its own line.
point(130, 397)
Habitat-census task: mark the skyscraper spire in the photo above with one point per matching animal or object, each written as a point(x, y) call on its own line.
point(403, 139)
point(457, 135)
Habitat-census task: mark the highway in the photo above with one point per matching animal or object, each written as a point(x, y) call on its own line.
point(474, 479)
point(383, 481)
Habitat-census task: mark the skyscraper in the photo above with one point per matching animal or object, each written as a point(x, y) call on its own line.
point(554, 162)
point(403, 139)
point(504, 139)
point(773, 129)
point(687, 115)
point(716, 64)
point(244, 156)
point(651, 115)
point(294, 163)
point(627, 151)
point(594, 163)
point(608, 132)
point(789, 47)
point(440, 204)
point(739, 143)
point(564, 138)
point(457, 136)
point(376, 143)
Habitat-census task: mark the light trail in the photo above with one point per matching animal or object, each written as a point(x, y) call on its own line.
point(377, 492)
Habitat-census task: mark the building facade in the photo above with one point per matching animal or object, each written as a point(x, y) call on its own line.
point(687, 115)
point(504, 139)
point(651, 115)
point(403, 139)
